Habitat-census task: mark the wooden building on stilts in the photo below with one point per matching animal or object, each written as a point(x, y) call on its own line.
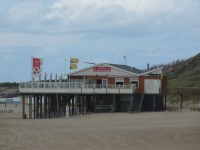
point(99, 88)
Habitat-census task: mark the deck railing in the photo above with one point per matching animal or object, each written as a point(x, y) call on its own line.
point(74, 88)
point(69, 85)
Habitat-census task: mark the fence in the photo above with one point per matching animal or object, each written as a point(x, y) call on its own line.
point(181, 90)
point(6, 111)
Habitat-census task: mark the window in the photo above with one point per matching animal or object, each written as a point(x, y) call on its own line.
point(104, 82)
point(134, 83)
point(119, 81)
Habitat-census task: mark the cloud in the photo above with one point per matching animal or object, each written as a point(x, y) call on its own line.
point(116, 18)
point(111, 17)
point(100, 14)
point(12, 39)
point(96, 30)
point(24, 11)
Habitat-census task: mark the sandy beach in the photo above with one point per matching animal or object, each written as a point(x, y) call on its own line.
point(111, 131)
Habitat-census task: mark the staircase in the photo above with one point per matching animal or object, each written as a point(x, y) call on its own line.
point(136, 102)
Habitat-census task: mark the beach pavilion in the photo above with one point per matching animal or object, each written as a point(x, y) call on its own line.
point(99, 88)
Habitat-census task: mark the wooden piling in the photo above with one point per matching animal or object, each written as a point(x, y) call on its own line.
point(114, 103)
point(45, 106)
point(181, 101)
point(34, 107)
point(154, 102)
point(23, 107)
point(41, 110)
point(85, 105)
point(30, 106)
point(165, 103)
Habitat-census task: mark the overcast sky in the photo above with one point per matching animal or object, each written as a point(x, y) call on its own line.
point(146, 31)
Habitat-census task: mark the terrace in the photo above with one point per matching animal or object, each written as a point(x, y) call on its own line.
point(73, 88)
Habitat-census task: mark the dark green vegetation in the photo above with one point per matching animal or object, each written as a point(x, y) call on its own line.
point(9, 84)
point(184, 73)
point(8, 89)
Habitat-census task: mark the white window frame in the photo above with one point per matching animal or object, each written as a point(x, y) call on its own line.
point(134, 80)
point(119, 80)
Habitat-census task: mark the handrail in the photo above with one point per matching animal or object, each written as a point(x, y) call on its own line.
point(69, 85)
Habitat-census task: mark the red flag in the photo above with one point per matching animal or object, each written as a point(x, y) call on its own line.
point(36, 68)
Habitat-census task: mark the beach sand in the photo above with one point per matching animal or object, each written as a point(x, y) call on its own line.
point(111, 131)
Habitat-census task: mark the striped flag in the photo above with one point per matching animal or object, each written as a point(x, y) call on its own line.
point(36, 66)
point(73, 63)
point(73, 66)
point(74, 60)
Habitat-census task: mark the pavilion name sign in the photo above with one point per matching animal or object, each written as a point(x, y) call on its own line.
point(102, 69)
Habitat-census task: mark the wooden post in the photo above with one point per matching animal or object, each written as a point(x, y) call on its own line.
point(57, 106)
point(81, 101)
point(49, 106)
point(95, 102)
point(30, 106)
point(131, 104)
point(45, 106)
point(181, 101)
point(61, 106)
point(23, 107)
point(85, 105)
point(114, 103)
point(72, 106)
point(34, 106)
point(37, 107)
point(165, 103)
point(41, 111)
point(76, 104)
point(69, 104)
point(154, 102)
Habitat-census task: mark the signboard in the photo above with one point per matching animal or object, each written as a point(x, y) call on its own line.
point(152, 86)
point(102, 69)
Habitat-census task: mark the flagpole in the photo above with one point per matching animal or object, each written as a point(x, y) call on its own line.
point(31, 75)
point(125, 59)
point(41, 69)
point(65, 65)
point(69, 70)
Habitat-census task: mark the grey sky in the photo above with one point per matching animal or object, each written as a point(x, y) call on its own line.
point(156, 31)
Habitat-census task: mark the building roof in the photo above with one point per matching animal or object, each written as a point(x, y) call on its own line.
point(124, 68)
point(127, 68)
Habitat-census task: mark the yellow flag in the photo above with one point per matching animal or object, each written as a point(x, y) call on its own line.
point(74, 60)
point(73, 66)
